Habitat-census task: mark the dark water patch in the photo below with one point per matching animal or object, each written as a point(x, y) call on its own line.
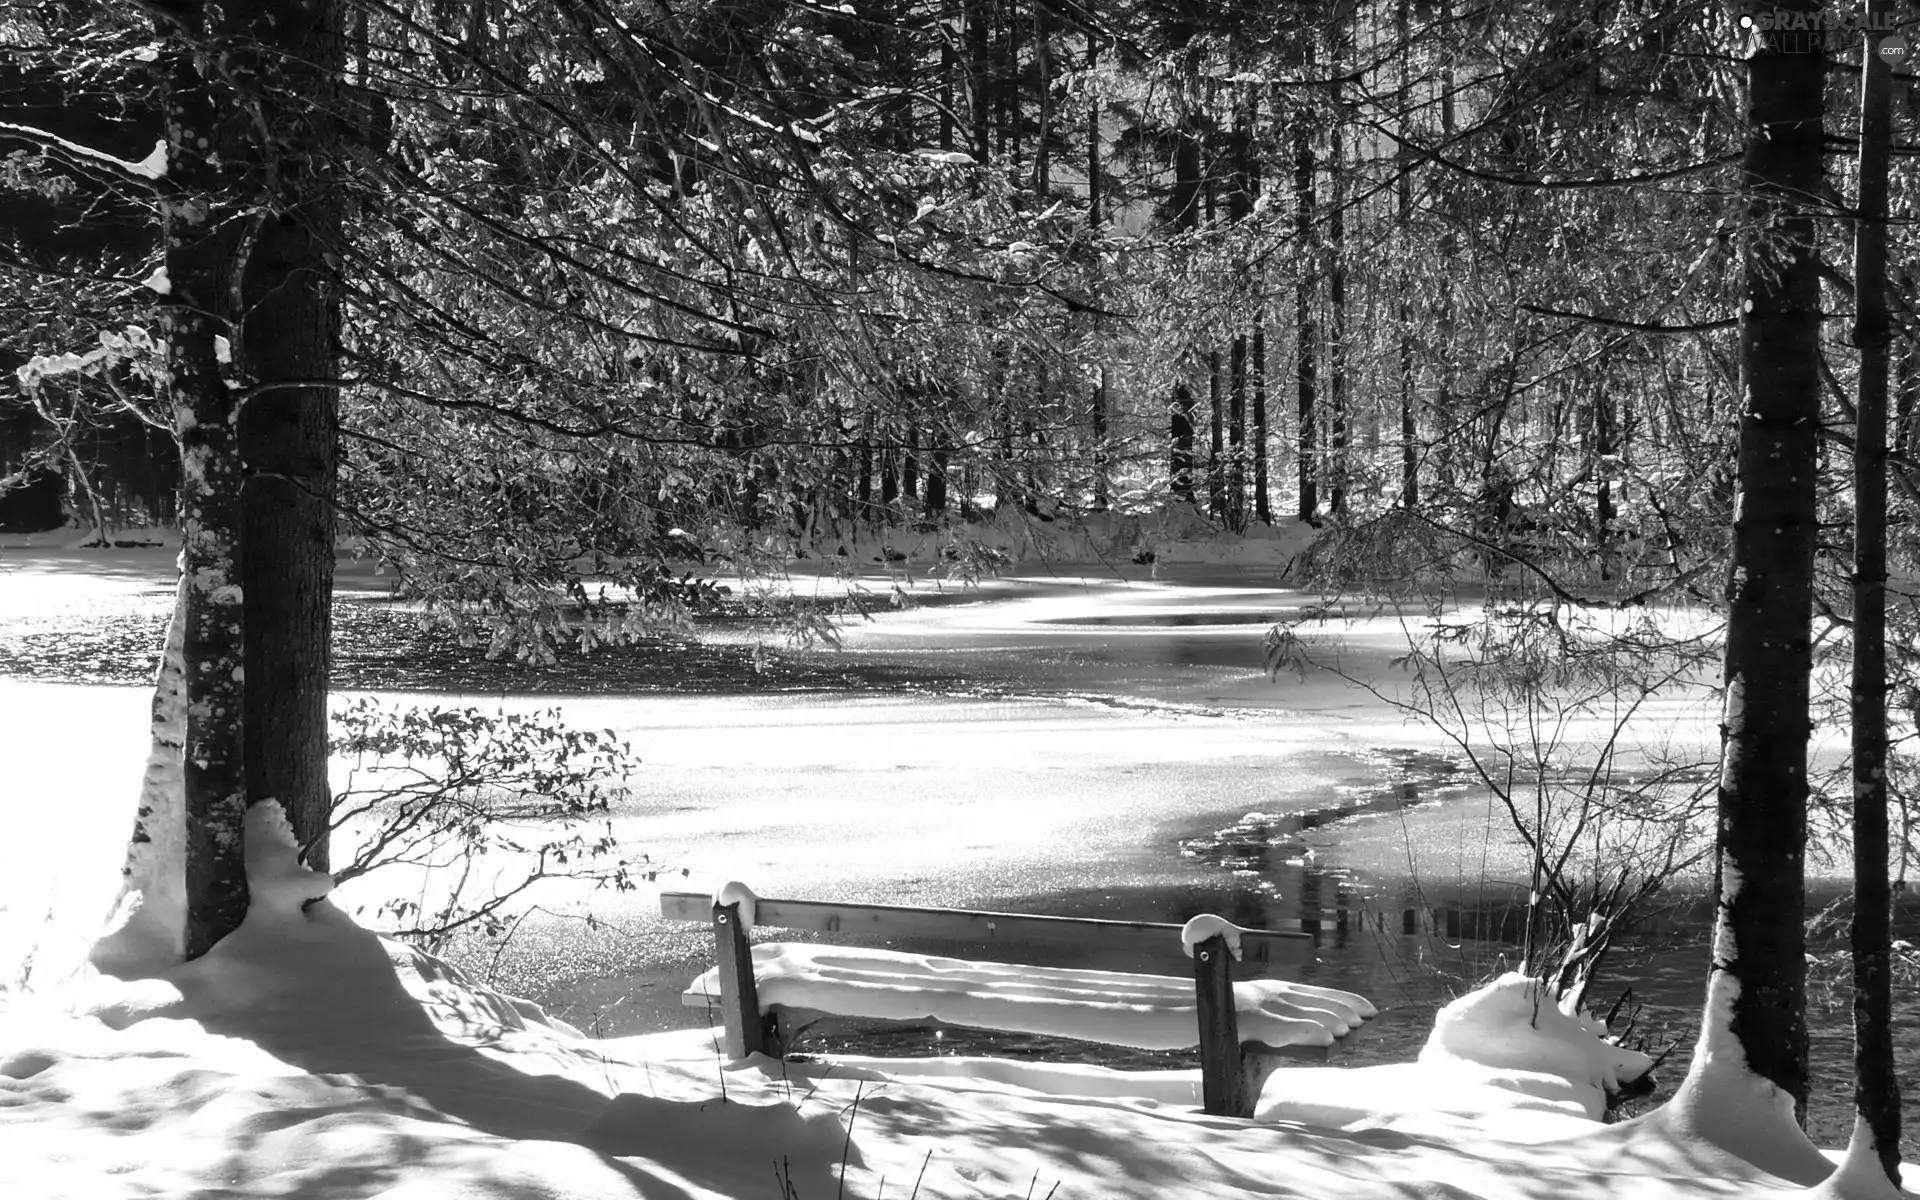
point(1658, 974)
point(1261, 845)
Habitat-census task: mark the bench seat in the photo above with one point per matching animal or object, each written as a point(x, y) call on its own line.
point(1148, 1012)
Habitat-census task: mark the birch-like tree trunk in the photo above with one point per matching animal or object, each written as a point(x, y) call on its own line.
point(205, 246)
point(147, 932)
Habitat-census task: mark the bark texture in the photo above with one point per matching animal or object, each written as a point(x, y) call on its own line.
point(1762, 794)
point(288, 437)
point(250, 316)
point(205, 240)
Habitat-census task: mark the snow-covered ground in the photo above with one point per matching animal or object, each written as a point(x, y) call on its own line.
point(305, 1057)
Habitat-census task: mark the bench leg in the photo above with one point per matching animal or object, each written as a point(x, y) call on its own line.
point(1223, 1079)
point(1255, 1065)
point(746, 1032)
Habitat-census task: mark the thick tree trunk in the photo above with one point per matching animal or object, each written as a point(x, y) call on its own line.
point(250, 316)
point(1763, 788)
point(289, 440)
point(1751, 1063)
point(205, 247)
point(1876, 1091)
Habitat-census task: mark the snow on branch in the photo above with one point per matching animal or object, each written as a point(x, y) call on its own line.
point(152, 167)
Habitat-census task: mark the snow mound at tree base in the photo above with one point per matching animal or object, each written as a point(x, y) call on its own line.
point(306, 1057)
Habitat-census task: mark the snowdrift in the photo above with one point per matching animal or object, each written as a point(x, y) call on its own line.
point(306, 1057)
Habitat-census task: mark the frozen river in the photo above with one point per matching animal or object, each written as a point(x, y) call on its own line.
point(1055, 741)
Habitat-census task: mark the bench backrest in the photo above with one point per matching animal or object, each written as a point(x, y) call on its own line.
point(1259, 948)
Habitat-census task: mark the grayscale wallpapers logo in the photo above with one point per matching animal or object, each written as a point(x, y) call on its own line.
point(1809, 30)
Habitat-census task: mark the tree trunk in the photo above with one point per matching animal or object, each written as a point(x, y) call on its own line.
point(1903, 433)
point(1043, 61)
point(1007, 88)
point(1239, 208)
point(1102, 487)
point(1216, 417)
point(1403, 156)
point(949, 64)
point(1876, 1091)
point(1093, 139)
point(1216, 448)
point(251, 316)
point(1309, 450)
point(1180, 461)
point(979, 81)
point(936, 503)
point(1236, 486)
point(289, 440)
point(147, 932)
point(1262, 505)
point(1604, 448)
point(897, 50)
point(1338, 432)
point(1752, 1056)
point(205, 249)
point(1186, 218)
point(863, 468)
point(910, 464)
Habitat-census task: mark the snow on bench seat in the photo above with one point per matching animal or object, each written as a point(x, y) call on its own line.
point(1149, 1012)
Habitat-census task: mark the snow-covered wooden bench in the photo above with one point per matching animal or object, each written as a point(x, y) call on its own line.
point(1239, 1027)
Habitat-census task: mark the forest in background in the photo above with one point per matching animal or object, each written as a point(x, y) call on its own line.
point(1478, 267)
